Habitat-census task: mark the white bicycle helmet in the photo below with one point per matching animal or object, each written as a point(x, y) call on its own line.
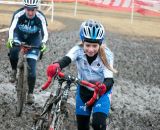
point(31, 3)
point(92, 31)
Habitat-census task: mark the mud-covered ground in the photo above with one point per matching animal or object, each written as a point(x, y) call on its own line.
point(136, 92)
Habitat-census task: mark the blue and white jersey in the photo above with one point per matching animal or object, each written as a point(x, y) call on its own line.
point(24, 25)
point(96, 71)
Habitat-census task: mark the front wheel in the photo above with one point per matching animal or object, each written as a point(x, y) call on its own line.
point(42, 120)
point(61, 119)
point(42, 124)
point(60, 122)
point(20, 94)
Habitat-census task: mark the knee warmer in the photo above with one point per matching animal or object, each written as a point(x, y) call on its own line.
point(31, 84)
point(99, 121)
point(83, 122)
point(13, 63)
point(13, 57)
point(31, 74)
point(31, 67)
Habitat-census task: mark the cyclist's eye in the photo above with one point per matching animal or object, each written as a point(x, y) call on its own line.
point(95, 46)
point(31, 9)
point(88, 45)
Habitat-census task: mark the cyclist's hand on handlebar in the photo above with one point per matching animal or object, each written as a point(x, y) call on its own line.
point(43, 47)
point(9, 43)
point(53, 69)
point(101, 88)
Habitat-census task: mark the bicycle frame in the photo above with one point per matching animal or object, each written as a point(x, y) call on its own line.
point(55, 105)
point(58, 108)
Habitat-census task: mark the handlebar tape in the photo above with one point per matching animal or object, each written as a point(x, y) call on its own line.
point(93, 99)
point(46, 85)
point(61, 75)
point(85, 83)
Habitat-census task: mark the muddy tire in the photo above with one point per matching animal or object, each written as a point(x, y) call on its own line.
point(43, 119)
point(19, 88)
point(65, 120)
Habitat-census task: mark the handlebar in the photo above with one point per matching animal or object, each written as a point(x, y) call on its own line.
point(74, 80)
point(24, 45)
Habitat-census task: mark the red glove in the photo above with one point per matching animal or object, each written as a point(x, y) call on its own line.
point(52, 70)
point(101, 88)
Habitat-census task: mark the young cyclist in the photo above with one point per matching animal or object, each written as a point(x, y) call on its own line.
point(28, 25)
point(94, 63)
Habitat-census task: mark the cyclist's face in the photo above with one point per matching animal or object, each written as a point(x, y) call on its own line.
point(91, 48)
point(30, 12)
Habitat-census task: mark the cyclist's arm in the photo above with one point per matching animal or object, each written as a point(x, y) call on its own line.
point(74, 53)
point(69, 57)
point(108, 74)
point(110, 58)
point(109, 83)
point(65, 61)
point(45, 33)
point(14, 22)
point(44, 26)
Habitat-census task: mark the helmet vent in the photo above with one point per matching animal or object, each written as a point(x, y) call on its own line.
point(93, 32)
point(101, 33)
point(90, 25)
point(89, 32)
point(84, 31)
point(97, 33)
